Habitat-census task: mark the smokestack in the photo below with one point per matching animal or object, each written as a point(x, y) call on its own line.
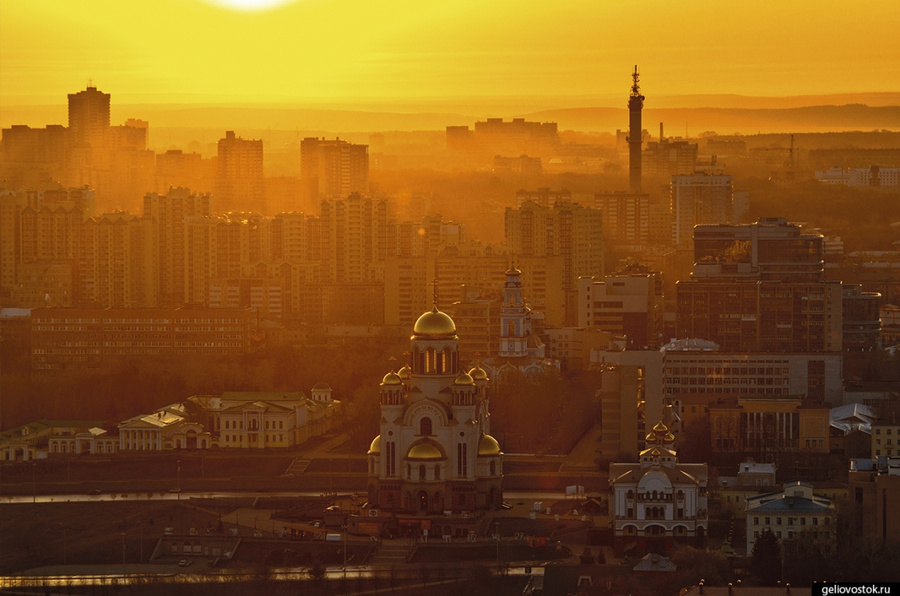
point(661, 132)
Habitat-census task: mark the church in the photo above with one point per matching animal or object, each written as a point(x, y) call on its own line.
point(434, 466)
point(658, 501)
point(520, 348)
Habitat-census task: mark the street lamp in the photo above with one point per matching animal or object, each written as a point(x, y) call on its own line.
point(344, 528)
point(497, 531)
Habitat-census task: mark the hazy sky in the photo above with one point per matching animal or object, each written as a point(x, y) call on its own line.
point(351, 50)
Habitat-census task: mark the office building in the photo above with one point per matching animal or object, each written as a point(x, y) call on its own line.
point(628, 303)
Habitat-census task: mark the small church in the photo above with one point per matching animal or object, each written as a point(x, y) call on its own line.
point(434, 466)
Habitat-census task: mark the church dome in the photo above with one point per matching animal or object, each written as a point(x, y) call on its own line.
point(650, 438)
point(660, 428)
point(434, 323)
point(513, 271)
point(478, 374)
point(669, 438)
point(463, 379)
point(375, 447)
point(488, 446)
point(425, 450)
point(404, 373)
point(392, 378)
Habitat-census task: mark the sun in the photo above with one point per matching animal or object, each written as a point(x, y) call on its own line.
point(250, 5)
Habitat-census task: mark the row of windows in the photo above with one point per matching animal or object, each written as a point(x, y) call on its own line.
point(727, 370)
point(790, 521)
point(266, 438)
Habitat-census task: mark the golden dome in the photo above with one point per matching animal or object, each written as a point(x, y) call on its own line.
point(669, 438)
point(650, 438)
point(463, 379)
point(375, 447)
point(660, 428)
point(425, 450)
point(657, 452)
point(478, 374)
point(404, 372)
point(488, 446)
point(434, 323)
point(392, 378)
point(513, 271)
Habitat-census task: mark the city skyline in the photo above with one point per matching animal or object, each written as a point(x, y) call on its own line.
point(201, 51)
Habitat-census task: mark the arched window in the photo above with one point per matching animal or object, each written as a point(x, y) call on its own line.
point(408, 471)
point(425, 426)
point(493, 468)
point(511, 329)
point(449, 364)
point(421, 473)
point(437, 471)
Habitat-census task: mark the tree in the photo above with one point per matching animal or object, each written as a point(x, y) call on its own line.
point(766, 558)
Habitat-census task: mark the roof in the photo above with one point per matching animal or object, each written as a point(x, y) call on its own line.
point(852, 417)
point(690, 345)
point(268, 396)
point(262, 405)
point(653, 562)
point(752, 467)
point(783, 503)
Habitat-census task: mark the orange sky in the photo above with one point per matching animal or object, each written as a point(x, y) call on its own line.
point(396, 50)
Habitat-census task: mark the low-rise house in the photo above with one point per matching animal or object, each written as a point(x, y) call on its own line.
point(793, 514)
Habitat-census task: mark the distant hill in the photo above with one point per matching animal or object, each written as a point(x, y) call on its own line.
point(724, 114)
point(824, 118)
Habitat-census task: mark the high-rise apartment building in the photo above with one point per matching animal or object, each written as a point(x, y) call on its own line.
point(333, 169)
point(239, 175)
point(354, 234)
point(699, 199)
point(167, 214)
point(626, 217)
point(88, 117)
point(669, 157)
point(568, 230)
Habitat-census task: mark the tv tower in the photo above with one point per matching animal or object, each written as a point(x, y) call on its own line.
point(635, 105)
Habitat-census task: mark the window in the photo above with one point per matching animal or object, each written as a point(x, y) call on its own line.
point(425, 426)
point(437, 472)
point(421, 473)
